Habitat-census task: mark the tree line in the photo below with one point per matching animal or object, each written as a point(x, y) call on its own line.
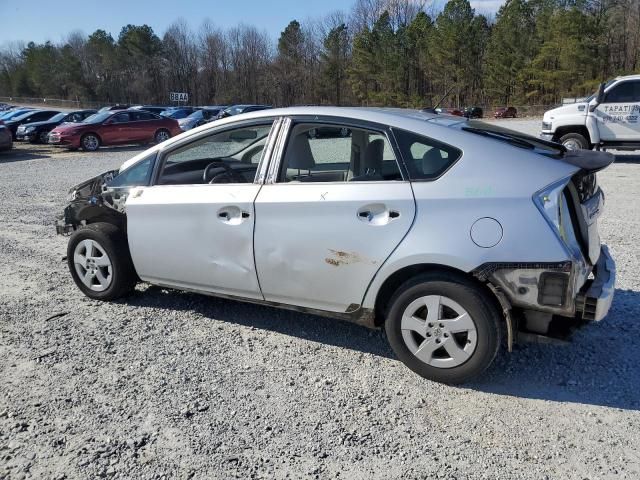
point(381, 52)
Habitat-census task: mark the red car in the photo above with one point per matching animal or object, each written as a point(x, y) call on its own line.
point(505, 112)
point(451, 111)
point(114, 128)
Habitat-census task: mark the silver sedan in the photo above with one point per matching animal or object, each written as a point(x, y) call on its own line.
point(450, 234)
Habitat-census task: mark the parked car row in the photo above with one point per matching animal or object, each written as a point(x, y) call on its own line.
point(111, 125)
point(475, 112)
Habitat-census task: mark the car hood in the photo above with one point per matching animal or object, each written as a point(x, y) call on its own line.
point(572, 109)
point(66, 127)
point(92, 187)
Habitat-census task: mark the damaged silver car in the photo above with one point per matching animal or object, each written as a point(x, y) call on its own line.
point(450, 234)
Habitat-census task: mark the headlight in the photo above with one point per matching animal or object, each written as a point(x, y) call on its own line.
point(546, 125)
point(71, 196)
point(29, 129)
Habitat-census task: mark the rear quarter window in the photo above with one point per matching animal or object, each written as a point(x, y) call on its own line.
point(425, 158)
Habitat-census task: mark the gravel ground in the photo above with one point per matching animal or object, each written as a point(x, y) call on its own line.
point(175, 385)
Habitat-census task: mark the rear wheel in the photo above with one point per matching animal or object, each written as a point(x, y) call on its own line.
point(574, 141)
point(99, 261)
point(90, 142)
point(443, 327)
point(162, 135)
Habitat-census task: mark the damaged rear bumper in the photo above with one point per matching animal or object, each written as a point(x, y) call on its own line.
point(563, 289)
point(594, 300)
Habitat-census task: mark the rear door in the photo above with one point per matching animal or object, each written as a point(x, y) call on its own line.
point(618, 116)
point(143, 126)
point(330, 213)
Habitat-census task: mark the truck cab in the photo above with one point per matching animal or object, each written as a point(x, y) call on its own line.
point(608, 119)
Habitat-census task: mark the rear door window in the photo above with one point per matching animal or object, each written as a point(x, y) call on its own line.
point(425, 158)
point(336, 153)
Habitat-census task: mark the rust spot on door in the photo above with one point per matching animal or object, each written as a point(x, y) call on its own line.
point(339, 258)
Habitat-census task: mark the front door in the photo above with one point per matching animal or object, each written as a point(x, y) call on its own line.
point(117, 129)
point(193, 228)
point(618, 116)
point(331, 213)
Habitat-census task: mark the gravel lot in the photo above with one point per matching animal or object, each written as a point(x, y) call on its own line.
point(175, 385)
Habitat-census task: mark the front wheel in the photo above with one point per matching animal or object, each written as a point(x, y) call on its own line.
point(90, 142)
point(574, 141)
point(443, 327)
point(100, 263)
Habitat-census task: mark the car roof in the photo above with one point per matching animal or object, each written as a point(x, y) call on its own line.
point(628, 77)
point(386, 116)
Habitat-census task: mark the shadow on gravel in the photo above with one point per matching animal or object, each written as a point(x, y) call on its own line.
point(17, 155)
point(601, 365)
point(328, 331)
point(627, 159)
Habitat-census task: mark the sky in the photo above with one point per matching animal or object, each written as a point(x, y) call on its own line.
point(42, 20)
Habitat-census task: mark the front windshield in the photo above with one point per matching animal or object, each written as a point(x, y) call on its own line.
point(178, 114)
point(12, 114)
point(58, 117)
point(97, 117)
point(514, 138)
point(23, 115)
point(197, 115)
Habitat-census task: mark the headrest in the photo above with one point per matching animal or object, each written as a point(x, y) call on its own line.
point(433, 161)
point(373, 156)
point(299, 153)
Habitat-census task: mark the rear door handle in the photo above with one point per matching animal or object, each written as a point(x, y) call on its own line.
point(377, 214)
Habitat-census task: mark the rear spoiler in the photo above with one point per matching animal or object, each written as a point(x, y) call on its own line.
point(589, 160)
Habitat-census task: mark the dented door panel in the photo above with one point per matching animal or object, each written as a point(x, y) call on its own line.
point(195, 236)
point(319, 245)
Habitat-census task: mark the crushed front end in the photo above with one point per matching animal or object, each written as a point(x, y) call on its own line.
point(91, 201)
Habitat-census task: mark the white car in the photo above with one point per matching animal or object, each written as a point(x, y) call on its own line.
point(448, 233)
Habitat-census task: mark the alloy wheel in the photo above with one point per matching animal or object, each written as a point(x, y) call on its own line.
point(90, 142)
point(572, 144)
point(93, 265)
point(439, 331)
point(161, 136)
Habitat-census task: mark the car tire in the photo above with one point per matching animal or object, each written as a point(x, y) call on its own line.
point(452, 342)
point(162, 135)
point(90, 142)
point(100, 263)
point(43, 137)
point(574, 141)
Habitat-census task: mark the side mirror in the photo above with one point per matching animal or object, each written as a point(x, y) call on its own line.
point(599, 98)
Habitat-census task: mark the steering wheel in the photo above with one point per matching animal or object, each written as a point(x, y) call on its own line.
point(228, 171)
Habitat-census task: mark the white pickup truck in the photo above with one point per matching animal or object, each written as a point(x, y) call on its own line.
point(608, 119)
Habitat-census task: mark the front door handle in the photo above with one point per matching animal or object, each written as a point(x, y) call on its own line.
point(232, 215)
